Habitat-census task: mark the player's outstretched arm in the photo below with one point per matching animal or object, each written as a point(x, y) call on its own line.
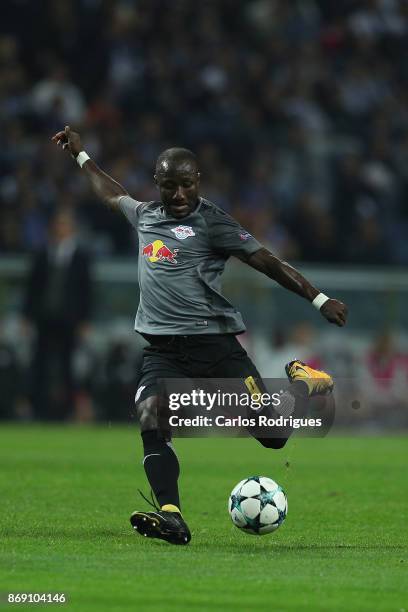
point(103, 185)
point(287, 276)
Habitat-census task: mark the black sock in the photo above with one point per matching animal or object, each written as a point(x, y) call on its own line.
point(299, 389)
point(275, 443)
point(299, 393)
point(162, 468)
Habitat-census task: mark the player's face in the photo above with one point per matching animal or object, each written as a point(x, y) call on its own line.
point(178, 188)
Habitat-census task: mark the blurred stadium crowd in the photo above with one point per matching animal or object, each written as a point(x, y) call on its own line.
point(298, 112)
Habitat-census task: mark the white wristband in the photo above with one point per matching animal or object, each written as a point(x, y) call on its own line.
point(319, 300)
point(81, 158)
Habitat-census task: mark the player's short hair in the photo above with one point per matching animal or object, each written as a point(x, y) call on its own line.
point(173, 157)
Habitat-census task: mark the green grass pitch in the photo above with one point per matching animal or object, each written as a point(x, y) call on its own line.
point(67, 493)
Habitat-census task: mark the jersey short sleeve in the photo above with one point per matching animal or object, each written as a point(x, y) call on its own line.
point(130, 208)
point(227, 236)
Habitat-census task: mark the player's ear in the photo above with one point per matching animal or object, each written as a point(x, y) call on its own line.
point(198, 178)
point(156, 181)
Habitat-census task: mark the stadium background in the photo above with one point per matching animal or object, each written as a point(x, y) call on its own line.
point(298, 114)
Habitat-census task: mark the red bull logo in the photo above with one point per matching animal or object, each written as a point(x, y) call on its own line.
point(158, 251)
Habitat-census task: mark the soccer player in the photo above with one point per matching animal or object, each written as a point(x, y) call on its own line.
point(191, 328)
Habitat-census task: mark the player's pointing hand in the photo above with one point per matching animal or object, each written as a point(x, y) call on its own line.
point(335, 312)
point(68, 140)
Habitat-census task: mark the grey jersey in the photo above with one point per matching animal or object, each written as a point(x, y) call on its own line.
point(180, 267)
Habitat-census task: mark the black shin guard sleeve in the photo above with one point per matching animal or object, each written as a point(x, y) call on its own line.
point(299, 391)
point(162, 468)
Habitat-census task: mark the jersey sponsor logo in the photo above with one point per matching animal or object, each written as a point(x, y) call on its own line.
point(183, 231)
point(245, 235)
point(158, 251)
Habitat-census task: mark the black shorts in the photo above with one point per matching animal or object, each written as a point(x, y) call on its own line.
point(198, 356)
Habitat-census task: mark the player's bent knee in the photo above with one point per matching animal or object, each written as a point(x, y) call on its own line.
point(147, 414)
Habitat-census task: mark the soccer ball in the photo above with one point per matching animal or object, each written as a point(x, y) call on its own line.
point(257, 505)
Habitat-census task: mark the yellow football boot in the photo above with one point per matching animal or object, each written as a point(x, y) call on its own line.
point(317, 381)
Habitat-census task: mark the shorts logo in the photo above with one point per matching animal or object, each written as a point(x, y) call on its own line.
point(183, 231)
point(158, 251)
point(245, 235)
point(139, 393)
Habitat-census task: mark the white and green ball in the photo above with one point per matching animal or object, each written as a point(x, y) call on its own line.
point(258, 505)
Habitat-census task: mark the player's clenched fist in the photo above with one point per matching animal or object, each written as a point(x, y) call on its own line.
point(335, 312)
point(68, 140)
